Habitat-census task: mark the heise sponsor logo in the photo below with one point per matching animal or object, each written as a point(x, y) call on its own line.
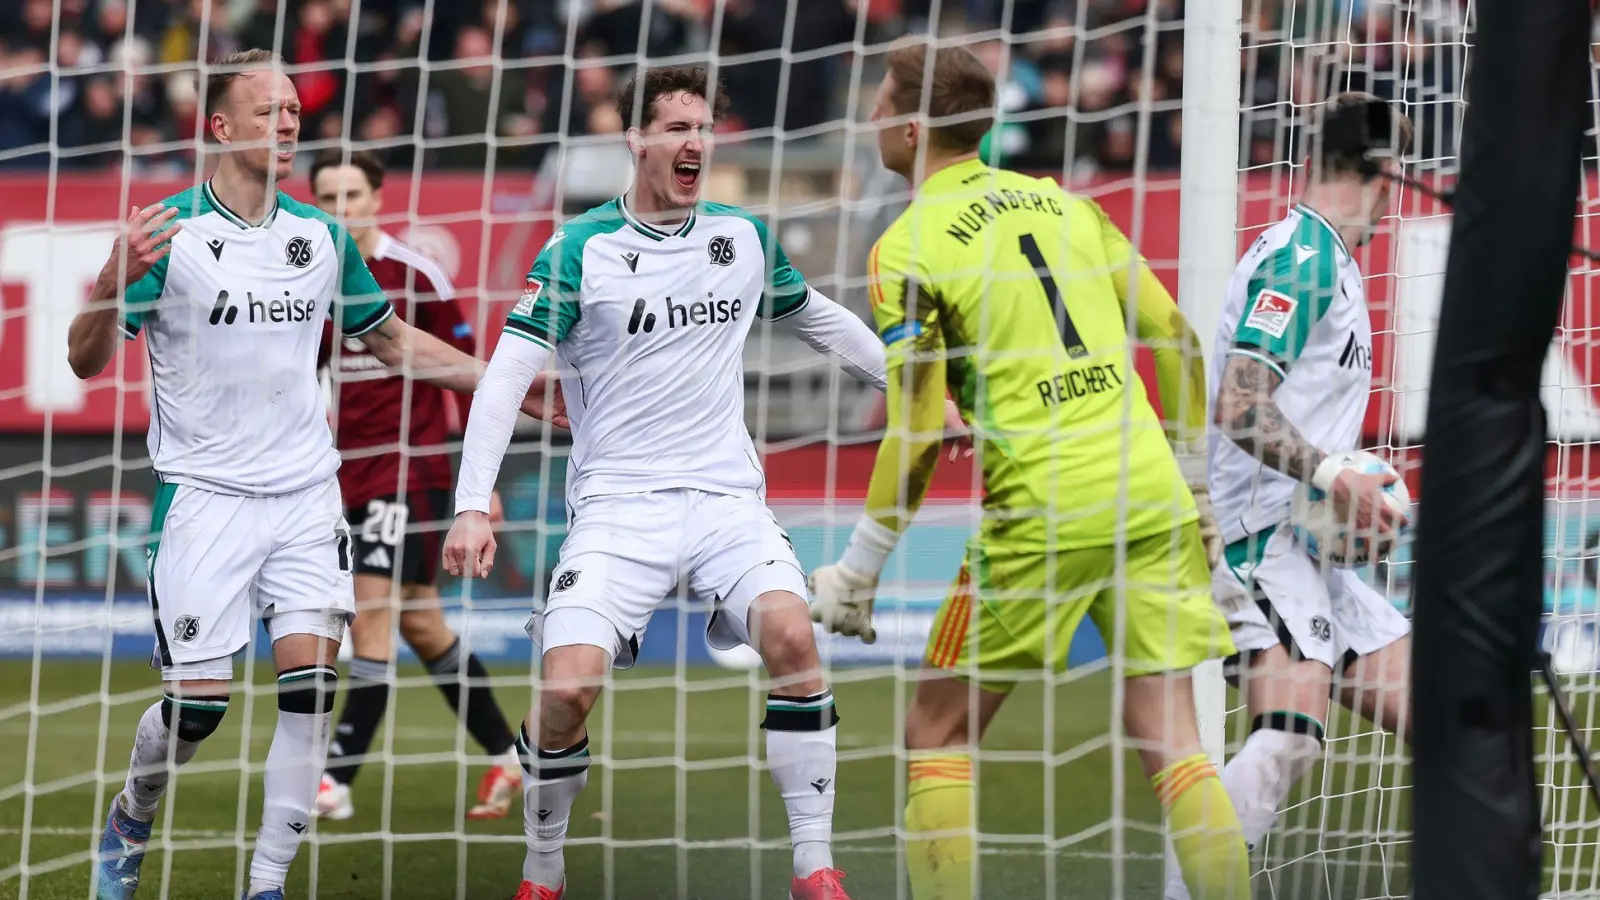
point(275, 310)
point(683, 315)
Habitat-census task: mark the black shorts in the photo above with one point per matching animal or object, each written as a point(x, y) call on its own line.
point(401, 536)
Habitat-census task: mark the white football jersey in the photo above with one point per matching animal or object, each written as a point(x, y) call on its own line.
point(649, 329)
point(1295, 303)
point(232, 318)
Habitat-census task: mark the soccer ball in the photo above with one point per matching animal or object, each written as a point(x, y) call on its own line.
point(1326, 536)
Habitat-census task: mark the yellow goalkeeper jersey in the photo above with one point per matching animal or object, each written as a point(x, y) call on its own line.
point(1010, 292)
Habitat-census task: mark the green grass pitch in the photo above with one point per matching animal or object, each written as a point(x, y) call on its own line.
point(1085, 825)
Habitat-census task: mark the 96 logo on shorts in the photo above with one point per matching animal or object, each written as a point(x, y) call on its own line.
point(185, 629)
point(1321, 629)
point(566, 580)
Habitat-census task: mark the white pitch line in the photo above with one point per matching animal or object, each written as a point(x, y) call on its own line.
point(415, 732)
point(842, 849)
point(59, 831)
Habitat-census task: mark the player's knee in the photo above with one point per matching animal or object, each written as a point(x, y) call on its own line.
point(193, 719)
point(308, 690)
point(426, 633)
point(787, 643)
point(563, 708)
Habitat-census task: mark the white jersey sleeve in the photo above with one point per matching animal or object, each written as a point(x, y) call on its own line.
point(1295, 304)
point(1286, 295)
point(495, 406)
point(830, 329)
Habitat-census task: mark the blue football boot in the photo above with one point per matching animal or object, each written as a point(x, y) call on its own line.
point(121, 853)
point(268, 894)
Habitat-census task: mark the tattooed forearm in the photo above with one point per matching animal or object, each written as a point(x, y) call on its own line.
point(1249, 416)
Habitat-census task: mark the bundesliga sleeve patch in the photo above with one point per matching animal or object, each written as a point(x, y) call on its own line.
point(530, 296)
point(1271, 313)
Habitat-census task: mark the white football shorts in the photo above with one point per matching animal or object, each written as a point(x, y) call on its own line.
point(219, 562)
point(626, 553)
point(1279, 595)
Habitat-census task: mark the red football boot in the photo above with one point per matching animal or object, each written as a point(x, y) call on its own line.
point(823, 884)
point(531, 891)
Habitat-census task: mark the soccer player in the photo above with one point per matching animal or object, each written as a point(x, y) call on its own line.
point(647, 301)
point(1292, 370)
point(394, 480)
point(1013, 295)
point(229, 282)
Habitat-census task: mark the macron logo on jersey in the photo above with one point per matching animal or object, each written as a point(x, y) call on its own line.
point(276, 311)
point(1271, 313)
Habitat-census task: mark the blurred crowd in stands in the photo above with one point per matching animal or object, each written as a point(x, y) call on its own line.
point(96, 79)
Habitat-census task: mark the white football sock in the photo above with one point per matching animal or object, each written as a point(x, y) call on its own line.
point(803, 754)
point(154, 746)
point(551, 783)
point(1263, 772)
point(1258, 779)
point(294, 768)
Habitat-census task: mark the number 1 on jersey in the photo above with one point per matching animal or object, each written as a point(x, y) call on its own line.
point(1058, 304)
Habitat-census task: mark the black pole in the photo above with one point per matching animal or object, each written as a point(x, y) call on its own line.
point(1479, 580)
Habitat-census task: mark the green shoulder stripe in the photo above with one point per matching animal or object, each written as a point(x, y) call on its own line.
point(1289, 293)
point(141, 296)
point(551, 302)
point(784, 290)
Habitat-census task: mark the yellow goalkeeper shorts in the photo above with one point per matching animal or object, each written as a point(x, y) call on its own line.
point(1011, 612)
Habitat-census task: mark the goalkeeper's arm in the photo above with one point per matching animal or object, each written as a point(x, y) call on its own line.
point(1180, 370)
point(1159, 325)
point(843, 593)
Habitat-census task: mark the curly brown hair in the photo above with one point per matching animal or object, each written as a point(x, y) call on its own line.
point(664, 81)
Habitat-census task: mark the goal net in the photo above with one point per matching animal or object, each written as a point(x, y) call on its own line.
point(496, 122)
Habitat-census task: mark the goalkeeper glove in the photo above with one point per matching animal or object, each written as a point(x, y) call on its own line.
point(1194, 464)
point(841, 600)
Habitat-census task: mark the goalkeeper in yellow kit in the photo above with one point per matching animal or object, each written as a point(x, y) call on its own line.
point(1011, 294)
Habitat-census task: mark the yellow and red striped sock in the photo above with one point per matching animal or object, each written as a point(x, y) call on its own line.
point(940, 844)
point(1206, 835)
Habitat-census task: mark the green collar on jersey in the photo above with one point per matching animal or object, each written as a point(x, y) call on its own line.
point(230, 215)
point(651, 231)
point(1305, 210)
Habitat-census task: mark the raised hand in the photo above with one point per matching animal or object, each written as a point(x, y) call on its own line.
point(144, 241)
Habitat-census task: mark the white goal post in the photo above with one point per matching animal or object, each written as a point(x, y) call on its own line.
point(1207, 232)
